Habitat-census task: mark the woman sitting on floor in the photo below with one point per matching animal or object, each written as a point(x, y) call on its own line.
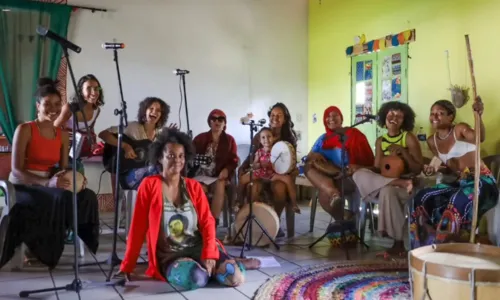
point(43, 210)
point(221, 148)
point(151, 117)
point(173, 213)
point(444, 213)
point(328, 150)
point(392, 193)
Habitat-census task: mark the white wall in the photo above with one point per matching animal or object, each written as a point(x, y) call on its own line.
point(244, 56)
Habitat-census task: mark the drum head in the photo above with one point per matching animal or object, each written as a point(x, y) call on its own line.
point(266, 216)
point(283, 157)
point(79, 181)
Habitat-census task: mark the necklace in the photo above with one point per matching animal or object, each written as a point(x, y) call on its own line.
point(447, 135)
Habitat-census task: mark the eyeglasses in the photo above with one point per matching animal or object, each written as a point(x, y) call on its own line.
point(220, 119)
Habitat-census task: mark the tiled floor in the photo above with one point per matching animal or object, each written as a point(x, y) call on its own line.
point(294, 254)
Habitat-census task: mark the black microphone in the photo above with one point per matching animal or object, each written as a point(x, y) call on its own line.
point(113, 46)
point(180, 72)
point(42, 31)
point(367, 116)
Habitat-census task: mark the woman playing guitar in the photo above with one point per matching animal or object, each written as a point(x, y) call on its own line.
point(399, 146)
point(151, 117)
point(90, 91)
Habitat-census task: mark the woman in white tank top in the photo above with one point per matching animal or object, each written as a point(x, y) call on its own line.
point(90, 91)
point(443, 213)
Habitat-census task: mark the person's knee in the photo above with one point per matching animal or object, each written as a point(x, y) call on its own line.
point(230, 273)
point(187, 274)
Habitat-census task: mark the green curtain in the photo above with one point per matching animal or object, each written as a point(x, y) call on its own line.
point(25, 56)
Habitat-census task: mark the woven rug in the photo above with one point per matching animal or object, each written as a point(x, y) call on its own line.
point(342, 280)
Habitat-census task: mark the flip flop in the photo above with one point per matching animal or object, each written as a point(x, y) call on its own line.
point(230, 270)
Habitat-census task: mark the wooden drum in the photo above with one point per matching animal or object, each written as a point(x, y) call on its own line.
point(455, 271)
point(266, 216)
point(79, 181)
point(283, 157)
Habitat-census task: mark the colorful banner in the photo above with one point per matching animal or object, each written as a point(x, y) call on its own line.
point(389, 41)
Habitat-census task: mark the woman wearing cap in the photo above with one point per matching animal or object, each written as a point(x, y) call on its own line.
point(221, 148)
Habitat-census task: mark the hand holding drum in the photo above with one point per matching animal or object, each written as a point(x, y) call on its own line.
point(64, 180)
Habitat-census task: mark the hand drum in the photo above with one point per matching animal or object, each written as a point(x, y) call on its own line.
point(392, 166)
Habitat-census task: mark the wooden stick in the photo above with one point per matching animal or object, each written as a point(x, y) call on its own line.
point(477, 160)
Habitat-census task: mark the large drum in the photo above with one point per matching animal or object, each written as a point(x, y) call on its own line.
point(266, 216)
point(455, 271)
point(79, 181)
point(283, 157)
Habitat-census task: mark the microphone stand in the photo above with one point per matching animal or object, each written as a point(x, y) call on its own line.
point(251, 217)
point(76, 284)
point(342, 225)
point(113, 260)
point(183, 80)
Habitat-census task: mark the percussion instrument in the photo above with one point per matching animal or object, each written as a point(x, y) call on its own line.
point(79, 181)
point(266, 216)
point(392, 166)
point(283, 157)
point(455, 271)
point(325, 167)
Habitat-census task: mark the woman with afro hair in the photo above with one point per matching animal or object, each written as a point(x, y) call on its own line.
point(392, 193)
point(173, 213)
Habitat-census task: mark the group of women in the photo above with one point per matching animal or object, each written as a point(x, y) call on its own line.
point(173, 211)
point(439, 214)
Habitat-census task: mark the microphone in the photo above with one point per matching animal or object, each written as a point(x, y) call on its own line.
point(113, 46)
point(42, 31)
point(367, 116)
point(180, 72)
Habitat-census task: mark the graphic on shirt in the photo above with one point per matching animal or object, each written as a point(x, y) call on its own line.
point(176, 225)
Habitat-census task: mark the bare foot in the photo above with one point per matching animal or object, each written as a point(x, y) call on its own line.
point(296, 208)
point(337, 205)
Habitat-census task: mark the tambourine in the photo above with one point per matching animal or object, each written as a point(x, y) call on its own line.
point(283, 157)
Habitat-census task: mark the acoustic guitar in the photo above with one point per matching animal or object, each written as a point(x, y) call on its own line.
point(140, 147)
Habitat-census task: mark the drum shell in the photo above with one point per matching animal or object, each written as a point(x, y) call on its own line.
point(266, 216)
point(452, 281)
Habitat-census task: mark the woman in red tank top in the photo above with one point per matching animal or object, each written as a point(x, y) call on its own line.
point(44, 216)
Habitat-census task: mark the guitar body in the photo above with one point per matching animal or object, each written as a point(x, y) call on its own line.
point(392, 166)
point(140, 147)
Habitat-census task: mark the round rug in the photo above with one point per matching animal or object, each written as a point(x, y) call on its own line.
point(342, 280)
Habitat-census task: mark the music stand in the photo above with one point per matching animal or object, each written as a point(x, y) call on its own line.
point(76, 284)
point(251, 217)
point(343, 225)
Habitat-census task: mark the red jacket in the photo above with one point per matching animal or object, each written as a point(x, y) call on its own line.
point(146, 222)
point(227, 151)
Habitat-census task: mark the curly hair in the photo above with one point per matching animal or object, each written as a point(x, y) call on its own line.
point(146, 103)
point(287, 132)
point(79, 94)
point(446, 105)
point(170, 136)
point(46, 87)
point(409, 114)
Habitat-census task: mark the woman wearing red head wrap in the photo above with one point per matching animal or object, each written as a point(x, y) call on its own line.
point(328, 149)
point(221, 148)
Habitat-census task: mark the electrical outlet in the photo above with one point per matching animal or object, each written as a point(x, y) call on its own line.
point(299, 135)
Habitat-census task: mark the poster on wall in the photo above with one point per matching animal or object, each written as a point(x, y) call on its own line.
point(386, 90)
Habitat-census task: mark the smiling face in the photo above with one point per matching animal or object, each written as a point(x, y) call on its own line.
point(91, 91)
point(266, 138)
point(394, 120)
point(333, 120)
point(173, 159)
point(277, 118)
point(153, 113)
point(440, 118)
point(49, 107)
point(217, 122)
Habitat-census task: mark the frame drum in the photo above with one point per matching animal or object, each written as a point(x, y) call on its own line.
point(79, 181)
point(283, 157)
point(266, 216)
point(455, 271)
